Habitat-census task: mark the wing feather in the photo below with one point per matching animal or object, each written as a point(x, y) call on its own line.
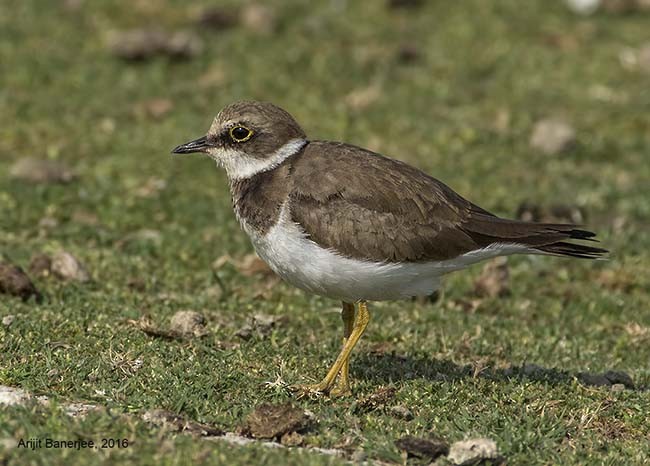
point(367, 206)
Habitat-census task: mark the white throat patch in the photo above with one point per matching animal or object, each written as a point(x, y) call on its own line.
point(239, 165)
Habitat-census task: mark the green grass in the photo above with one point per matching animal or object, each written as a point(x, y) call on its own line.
point(63, 96)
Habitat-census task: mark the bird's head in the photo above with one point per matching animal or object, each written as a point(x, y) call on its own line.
point(249, 137)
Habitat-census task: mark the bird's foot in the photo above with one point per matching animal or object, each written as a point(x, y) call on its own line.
point(340, 391)
point(342, 386)
point(312, 391)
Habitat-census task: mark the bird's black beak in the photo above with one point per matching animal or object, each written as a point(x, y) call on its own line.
point(198, 145)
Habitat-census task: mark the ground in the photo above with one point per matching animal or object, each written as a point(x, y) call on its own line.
point(454, 88)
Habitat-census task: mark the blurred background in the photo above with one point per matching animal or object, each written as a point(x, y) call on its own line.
point(547, 103)
point(538, 110)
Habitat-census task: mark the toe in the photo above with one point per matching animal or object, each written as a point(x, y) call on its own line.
point(310, 391)
point(341, 391)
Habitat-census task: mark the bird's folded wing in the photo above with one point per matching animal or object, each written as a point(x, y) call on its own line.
point(370, 207)
point(367, 206)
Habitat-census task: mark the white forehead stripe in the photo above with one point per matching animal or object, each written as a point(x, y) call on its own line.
point(239, 165)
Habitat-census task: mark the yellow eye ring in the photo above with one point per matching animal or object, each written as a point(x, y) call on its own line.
point(240, 133)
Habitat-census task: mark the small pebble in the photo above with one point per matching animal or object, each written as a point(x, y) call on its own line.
point(8, 320)
point(552, 136)
point(259, 18)
point(583, 7)
point(68, 267)
point(474, 451)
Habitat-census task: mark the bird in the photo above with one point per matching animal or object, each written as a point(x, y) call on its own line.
point(346, 223)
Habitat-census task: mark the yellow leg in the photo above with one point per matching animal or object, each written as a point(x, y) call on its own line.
point(342, 387)
point(360, 323)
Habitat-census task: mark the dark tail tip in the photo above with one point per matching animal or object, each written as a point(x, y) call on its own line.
point(582, 234)
point(563, 248)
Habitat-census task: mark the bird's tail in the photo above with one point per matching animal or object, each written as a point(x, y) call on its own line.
point(581, 251)
point(545, 238)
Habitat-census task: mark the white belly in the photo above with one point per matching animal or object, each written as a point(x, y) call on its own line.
point(305, 264)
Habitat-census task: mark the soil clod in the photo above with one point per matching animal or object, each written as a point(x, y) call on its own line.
point(14, 281)
point(188, 324)
point(269, 421)
point(425, 448)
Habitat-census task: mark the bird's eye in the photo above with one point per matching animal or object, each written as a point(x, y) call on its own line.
point(240, 133)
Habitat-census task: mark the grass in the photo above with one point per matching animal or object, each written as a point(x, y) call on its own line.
point(463, 112)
